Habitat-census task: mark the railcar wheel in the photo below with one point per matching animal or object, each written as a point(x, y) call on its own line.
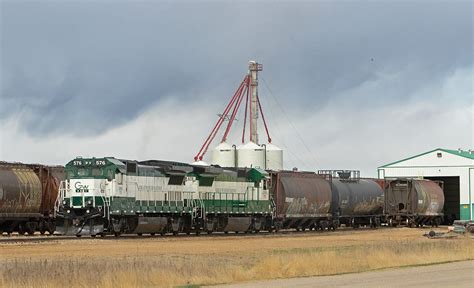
point(117, 234)
point(78, 236)
point(152, 234)
point(139, 234)
point(93, 236)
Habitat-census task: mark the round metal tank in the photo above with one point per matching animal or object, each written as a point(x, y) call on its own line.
point(356, 198)
point(223, 155)
point(430, 197)
point(20, 189)
point(274, 157)
point(411, 196)
point(250, 155)
point(301, 195)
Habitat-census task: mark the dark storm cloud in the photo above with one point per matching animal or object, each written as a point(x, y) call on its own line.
point(84, 67)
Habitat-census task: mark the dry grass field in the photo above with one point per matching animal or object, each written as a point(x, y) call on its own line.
point(174, 261)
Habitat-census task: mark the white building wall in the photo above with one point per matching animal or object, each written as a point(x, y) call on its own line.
point(430, 165)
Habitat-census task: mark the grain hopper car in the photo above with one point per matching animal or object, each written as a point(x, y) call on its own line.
point(413, 202)
point(27, 197)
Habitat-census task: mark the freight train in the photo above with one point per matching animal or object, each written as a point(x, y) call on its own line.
point(27, 197)
point(114, 196)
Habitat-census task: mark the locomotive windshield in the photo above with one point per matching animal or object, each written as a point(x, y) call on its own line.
point(95, 168)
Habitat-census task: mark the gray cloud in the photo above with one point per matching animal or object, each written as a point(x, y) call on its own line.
point(84, 67)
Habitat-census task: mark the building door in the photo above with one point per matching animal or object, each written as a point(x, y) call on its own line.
point(451, 197)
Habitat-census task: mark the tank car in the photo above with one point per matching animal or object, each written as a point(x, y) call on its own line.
point(27, 196)
point(303, 201)
point(413, 202)
point(357, 201)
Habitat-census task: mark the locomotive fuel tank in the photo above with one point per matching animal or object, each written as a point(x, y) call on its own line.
point(20, 190)
point(357, 198)
point(301, 194)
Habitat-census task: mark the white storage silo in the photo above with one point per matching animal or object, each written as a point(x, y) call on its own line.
point(223, 155)
point(250, 155)
point(274, 157)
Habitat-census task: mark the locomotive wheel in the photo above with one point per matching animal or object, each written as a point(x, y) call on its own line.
point(117, 234)
point(93, 236)
point(139, 234)
point(152, 234)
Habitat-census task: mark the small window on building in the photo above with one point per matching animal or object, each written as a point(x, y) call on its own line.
point(439, 155)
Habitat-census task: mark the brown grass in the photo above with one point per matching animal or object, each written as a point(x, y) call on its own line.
point(211, 264)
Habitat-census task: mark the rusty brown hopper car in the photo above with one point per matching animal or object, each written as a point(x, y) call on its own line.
point(303, 200)
point(27, 197)
point(414, 202)
point(358, 202)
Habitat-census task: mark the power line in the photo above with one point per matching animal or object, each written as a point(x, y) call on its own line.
point(289, 121)
point(280, 140)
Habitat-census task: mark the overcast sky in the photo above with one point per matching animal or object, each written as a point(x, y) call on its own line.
point(345, 84)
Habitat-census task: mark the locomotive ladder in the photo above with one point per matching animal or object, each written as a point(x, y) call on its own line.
point(106, 201)
point(198, 209)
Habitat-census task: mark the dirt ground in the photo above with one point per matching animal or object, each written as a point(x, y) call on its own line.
point(184, 245)
point(202, 260)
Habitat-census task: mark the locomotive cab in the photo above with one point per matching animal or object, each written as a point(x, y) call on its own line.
point(84, 195)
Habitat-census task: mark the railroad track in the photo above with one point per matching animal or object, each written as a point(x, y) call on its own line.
point(285, 233)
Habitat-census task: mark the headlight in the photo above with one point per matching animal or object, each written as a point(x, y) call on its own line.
point(88, 211)
point(68, 211)
point(89, 202)
point(64, 202)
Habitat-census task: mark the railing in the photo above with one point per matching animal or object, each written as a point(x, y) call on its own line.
point(343, 175)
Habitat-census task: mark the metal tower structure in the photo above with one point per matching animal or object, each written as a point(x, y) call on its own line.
point(248, 89)
point(254, 67)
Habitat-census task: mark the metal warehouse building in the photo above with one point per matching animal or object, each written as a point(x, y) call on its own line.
point(454, 167)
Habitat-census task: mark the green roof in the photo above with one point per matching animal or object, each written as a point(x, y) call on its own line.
point(462, 153)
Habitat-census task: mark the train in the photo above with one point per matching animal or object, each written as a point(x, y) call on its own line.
point(102, 196)
point(28, 193)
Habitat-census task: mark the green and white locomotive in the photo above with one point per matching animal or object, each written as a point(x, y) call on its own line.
point(110, 196)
